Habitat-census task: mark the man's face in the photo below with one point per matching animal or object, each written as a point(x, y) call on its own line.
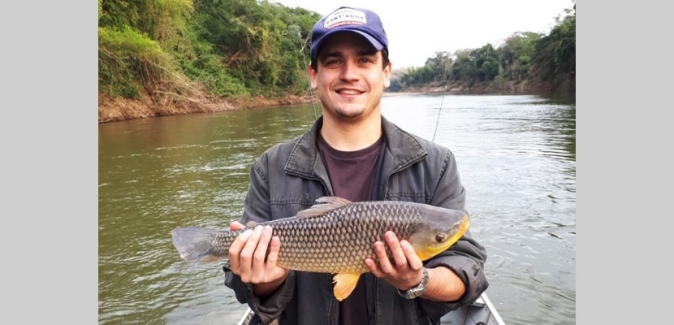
point(351, 78)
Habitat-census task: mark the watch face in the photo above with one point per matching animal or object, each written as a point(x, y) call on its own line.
point(415, 292)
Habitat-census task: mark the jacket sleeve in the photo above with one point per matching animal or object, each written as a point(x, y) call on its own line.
point(257, 209)
point(467, 257)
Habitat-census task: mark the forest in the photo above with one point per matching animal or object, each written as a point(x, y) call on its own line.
point(164, 57)
point(541, 62)
point(230, 47)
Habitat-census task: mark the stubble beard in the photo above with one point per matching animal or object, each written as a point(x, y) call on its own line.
point(349, 114)
point(345, 112)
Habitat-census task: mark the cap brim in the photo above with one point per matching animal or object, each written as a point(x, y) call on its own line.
point(375, 43)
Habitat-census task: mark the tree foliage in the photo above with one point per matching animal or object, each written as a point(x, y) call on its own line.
point(555, 58)
point(231, 47)
point(522, 56)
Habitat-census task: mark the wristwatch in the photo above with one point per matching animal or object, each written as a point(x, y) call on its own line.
point(418, 290)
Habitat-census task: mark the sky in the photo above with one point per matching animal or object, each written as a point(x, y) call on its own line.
point(417, 29)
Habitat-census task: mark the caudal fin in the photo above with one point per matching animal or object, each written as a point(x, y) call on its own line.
point(194, 244)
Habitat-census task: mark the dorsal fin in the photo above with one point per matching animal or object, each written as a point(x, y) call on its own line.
point(325, 205)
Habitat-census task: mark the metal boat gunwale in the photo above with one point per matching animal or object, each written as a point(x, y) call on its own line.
point(481, 312)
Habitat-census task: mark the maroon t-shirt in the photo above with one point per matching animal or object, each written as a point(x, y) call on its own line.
point(352, 176)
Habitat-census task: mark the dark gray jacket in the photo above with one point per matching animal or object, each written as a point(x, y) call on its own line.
point(290, 176)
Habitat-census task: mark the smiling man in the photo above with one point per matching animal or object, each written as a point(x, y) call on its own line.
point(350, 76)
point(353, 152)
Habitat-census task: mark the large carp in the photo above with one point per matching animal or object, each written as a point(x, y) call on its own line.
point(336, 236)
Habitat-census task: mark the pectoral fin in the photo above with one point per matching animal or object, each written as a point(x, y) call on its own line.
point(344, 284)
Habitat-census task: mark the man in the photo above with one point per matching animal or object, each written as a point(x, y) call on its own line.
point(355, 153)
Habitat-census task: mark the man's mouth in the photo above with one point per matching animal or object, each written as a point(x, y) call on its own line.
point(349, 92)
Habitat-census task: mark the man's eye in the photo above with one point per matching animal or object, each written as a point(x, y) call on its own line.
point(332, 62)
point(366, 60)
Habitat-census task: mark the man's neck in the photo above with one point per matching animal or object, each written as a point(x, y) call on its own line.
point(351, 136)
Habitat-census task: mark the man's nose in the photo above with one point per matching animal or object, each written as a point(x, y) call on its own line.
point(349, 71)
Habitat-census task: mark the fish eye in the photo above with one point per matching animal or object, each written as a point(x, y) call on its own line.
point(440, 237)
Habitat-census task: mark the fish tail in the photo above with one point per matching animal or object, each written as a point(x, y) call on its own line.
point(195, 244)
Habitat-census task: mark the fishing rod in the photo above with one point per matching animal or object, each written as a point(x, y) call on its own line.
point(306, 67)
point(438, 120)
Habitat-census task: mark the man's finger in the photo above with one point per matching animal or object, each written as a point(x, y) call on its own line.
point(412, 257)
point(251, 243)
point(382, 257)
point(260, 254)
point(398, 255)
point(246, 256)
point(236, 225)
point(274, 248)
point(372, 266)
point(235, 251)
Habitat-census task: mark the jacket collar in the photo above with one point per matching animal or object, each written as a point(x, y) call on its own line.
point(402, 148)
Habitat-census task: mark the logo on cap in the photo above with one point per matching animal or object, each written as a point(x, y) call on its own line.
point(344, 17)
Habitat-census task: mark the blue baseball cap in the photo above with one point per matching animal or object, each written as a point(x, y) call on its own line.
point(362, 21)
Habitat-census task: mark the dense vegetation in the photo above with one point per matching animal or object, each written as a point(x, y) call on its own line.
point(225, 47)
point(244, 48)
point(524, 56)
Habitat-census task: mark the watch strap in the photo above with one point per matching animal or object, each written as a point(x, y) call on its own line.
point(418, 290)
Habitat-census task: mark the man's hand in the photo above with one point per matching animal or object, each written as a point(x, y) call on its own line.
point(247, 259)
point(405, 273)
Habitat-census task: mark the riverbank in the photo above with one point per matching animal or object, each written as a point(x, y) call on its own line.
point(115, 109)
point(493, 87)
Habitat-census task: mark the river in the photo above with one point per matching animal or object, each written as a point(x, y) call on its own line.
point(515, 154)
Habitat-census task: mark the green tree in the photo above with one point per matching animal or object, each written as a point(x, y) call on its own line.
point(523, 56)
point(231, 47)
point(516, 54)
point(555, 58)
point(486, 63)
point(464, 68)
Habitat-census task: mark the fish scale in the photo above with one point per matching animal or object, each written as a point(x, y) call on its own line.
point(311, 244)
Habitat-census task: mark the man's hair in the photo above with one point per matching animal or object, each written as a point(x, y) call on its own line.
point(384, 55)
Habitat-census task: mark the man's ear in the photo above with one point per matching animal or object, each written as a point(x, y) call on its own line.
point(312, 77)
point(387, 75)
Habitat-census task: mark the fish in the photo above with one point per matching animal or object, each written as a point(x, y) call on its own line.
point(335, 236)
